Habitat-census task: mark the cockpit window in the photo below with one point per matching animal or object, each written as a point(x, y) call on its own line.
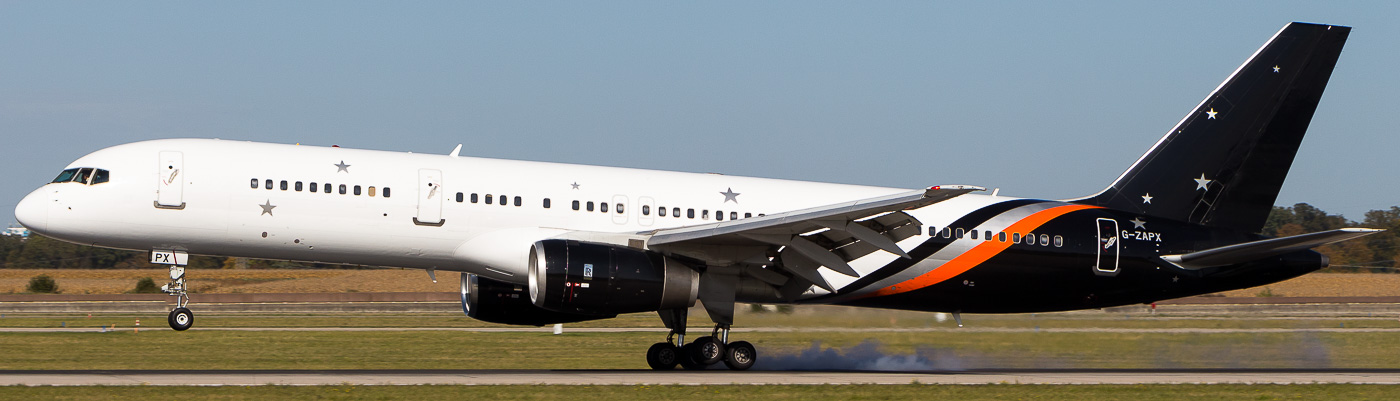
point(84, 175)
point(66, 175)
point(100, 176)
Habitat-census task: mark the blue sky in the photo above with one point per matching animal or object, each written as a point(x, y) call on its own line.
point(1040, 99)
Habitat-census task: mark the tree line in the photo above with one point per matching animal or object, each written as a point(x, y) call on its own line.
point(1375, 253)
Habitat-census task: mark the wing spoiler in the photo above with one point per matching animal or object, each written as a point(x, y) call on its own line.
point(1250, 251)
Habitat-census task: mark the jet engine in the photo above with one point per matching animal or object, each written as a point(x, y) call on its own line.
point(498, 302)
point(591, 278)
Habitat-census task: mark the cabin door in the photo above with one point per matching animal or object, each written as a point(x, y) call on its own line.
point(1108, 246)
point(170, 180)
point(430, 194)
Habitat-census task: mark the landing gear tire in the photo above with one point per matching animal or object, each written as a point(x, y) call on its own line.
point(706, 351)
point(181, 319)
point(663, 356)
point(686, 360)
point(740, 355)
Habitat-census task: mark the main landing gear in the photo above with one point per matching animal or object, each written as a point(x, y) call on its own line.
point(181, 318)
point(701, 353)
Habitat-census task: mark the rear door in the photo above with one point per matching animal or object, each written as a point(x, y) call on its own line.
point(1108, 246)
point(170, 187)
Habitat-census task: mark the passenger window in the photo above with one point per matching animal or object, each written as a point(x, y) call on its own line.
point(1015, 238)
point(603, 207)
point(99, 177)
point(460, 197)
point(1059, 241)
point(357, 190)
point(67, 175)
point(474, 198)
point(342, 189)
point(974, 234)
point(283, 185)
point(1030, 238)
point(328, 188)
point(932, 231)
point(947, 232)
point(488, 199)
point(748, 215)
point(733, 215)
point(517, 201)
point(546, 203)
point(504, 200)
point(661, 211)
point(987, 235)
point(1001, 236)
point(371, 192)
point(313, 187)
point(719, 215)
point(575, 205)
point(254, 184)
point(690, 213)
point(298, 186)
point(268, 184)
point(590, 206)
point(646, 210)
point(1044, 240)
point(705, 214)
point(386, 192)
point(675, 211)
point(960, 233)
point(618, 208)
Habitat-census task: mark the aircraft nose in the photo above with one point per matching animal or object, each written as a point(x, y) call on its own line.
point(33, 211)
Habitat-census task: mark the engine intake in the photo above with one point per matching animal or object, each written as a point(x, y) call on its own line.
point(591, 278)
point(498, 302)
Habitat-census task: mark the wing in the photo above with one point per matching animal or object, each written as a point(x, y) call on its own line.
point(799, 242)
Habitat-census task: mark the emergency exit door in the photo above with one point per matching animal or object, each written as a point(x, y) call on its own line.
point(430, 194)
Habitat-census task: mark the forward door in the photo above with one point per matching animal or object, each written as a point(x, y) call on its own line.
point(170, 187)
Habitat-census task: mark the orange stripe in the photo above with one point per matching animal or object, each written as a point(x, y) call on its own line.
point(980, 253)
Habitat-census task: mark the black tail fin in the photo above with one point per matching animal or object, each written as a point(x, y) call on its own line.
point(1224, 163)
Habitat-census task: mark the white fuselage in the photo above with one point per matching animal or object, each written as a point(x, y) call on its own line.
point(218, 203)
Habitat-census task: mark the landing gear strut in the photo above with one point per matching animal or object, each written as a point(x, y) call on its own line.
point(181, 318)
point(700, 354)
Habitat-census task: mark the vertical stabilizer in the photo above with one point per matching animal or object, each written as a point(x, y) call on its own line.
point(1224, 163)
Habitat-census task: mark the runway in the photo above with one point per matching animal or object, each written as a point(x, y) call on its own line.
point(681, 377)
point(1167, 330)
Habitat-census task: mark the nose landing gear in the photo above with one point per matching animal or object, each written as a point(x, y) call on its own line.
point(180, 318)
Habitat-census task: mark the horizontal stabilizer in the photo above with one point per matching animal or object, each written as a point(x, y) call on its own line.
point(1251, 251)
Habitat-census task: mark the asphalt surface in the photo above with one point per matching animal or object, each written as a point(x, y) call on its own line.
point(681, 377)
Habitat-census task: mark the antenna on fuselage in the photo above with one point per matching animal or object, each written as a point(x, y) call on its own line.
point(456, 150)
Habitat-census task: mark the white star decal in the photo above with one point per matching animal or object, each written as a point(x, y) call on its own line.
point(267, 208)
point(1211, 114)
point(730, 195)
point(342, 167)
point(1138, 223)
point(1275, 68)
point(1202, 182)
point(1147, 198)
point(574, 185)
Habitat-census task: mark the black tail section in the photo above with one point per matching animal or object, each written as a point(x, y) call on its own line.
point(1224, 163)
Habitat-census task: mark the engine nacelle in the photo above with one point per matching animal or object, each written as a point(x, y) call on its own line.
point(497, 302)
point(590, 278)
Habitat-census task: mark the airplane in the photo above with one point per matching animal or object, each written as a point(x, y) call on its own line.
point(541, 243)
